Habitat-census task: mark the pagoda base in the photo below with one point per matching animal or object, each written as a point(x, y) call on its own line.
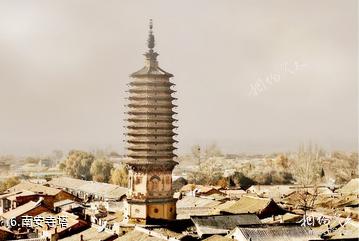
point(142, 211)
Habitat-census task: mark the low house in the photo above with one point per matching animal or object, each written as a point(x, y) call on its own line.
point(70, 225)
point(195, 206)
point(337, 228)
point(156, 234)
point(136, 236)
point(11, 200)
point(234, 193)
point(272, 233)
point(276, 192)
point(218, 238)
point(48, 194)
point(263, 207)
point(29, 209)
point(222, 224)
point(90, 190)
point(352, 187)
point(70, 206)
point(201, 190)
point(91, 234)
point(285, 218)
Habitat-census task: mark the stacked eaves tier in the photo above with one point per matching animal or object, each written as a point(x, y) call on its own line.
point(150, 128)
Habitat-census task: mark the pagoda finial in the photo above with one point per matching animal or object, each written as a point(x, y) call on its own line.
point(151, 38)
point(150, 54)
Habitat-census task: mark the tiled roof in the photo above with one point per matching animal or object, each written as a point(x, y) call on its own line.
point(222, 224)
point(190, 206)
point(199, 188)
point(36, 188)
point(71, 222)
point(248, 204)
point(217, 238)
point(137, 236)
point(352, 187)
point(190, 201)
point(90, 234)
point(272, 191)
point(20, 210)
point(106, 190)
point(13, 195)
point(277, 233)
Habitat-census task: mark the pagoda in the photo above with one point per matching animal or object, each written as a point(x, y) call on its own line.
point(150, 141)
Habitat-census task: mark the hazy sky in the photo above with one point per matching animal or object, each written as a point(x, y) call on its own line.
point(64, 66)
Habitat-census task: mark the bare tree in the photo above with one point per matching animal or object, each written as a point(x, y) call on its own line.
point(306, 199)
point(307, 165)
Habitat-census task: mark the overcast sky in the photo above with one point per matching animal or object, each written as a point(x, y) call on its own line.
point(64, 66)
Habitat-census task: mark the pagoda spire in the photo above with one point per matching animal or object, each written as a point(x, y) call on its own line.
point(151, 37)
point(151, 56)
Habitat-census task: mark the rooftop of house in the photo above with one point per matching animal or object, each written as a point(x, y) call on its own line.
point(276, 233)
point(71, 221)
point(196, 202)
point(199, 188)
point(339, 228)
point(109, 191)
point(36, 188)
point(136, 236)
point(64, 202)
point(90, 234)
point(218, 238)
point(352, 187)
point(14, 195)
point(20, 210)
point(222, 224)
point(286, 218)
point(248, 204)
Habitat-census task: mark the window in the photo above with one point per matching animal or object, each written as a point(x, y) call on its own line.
point(155, 210)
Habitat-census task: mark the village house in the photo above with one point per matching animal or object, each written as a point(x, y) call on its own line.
point(352, 187)
point(201, 190)
point(218, 238)
point(195, 206)
point(275, 192)
point(263, 207)
point(94, 233)
point(89, 190)
point(11, 200)
point(73, 225)
point(221, 224)
point(271, 232)
point(70, 206)
point(33, 192)
point(234, 194)
point(29, 209)
point(154, 234)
